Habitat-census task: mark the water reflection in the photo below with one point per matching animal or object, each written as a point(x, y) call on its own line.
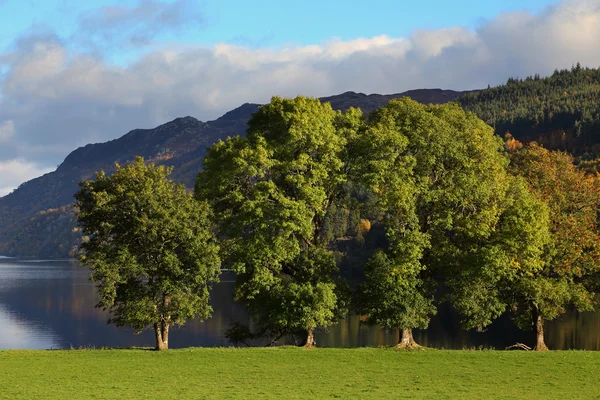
point(50, 304)
point(21, 334)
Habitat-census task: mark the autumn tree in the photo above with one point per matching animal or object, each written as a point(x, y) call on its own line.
point(511, 143)
point(571, 255)
point(151, 249)
point(271, 193)
point(440, 176)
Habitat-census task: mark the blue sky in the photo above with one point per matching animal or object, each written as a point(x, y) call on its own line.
point(260, 23)
point(74, 72)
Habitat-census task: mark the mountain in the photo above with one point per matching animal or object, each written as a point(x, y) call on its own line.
point(561, 111)
point(37, 219)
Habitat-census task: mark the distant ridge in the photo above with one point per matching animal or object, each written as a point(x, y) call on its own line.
point(371, 102)
point(36, 220)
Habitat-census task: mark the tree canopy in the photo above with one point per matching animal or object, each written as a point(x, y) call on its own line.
point(150, 248)
point(467, 218)
point(440, 177)
point(272, 192)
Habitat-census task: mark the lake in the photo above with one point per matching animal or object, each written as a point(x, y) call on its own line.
point(50, 305)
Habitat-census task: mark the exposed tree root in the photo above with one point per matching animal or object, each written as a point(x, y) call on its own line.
point(520, 346)
point(541, 347)
point(408, 346)
point(407, 342)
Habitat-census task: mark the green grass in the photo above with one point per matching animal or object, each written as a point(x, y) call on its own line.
point(364, 373)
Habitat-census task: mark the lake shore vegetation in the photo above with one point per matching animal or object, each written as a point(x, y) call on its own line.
point(487, 226)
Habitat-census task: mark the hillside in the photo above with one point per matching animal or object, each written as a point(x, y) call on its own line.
point(561, 111)
point(36, 220)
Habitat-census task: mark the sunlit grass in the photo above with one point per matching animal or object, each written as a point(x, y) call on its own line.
point(291, 373)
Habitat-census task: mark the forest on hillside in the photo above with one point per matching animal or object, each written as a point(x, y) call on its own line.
point(560, 112)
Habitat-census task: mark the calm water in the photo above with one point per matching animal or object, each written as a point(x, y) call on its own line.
point(50, 304)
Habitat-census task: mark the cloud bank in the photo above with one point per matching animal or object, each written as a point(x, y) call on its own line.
point(53, 99)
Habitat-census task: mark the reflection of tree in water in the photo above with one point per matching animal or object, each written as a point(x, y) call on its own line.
point(575, 331)
point(64, 304)
point(444, 332)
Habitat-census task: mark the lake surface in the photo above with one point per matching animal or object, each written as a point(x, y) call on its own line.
point(50, 304)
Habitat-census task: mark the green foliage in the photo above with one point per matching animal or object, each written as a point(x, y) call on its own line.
point(543, 256)
point(485, 272)
point(335, 223)
point(392, 297)
point(440, 177)
point(276, 196)
point(151, 249)
point(313, 297)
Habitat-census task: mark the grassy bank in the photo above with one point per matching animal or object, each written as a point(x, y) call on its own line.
point(298, 374)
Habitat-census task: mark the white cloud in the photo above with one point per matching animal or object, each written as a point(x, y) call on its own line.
point(60, 99)
point(15, 172)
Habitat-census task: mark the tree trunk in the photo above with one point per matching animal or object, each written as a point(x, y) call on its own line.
point(539, 329)
point(161, 329)
point(161, 332)
point(407, 341)
point(310, 340)
point(165, 335)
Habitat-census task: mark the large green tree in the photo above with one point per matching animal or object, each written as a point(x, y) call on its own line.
point(482, 273)
point(150, 248)
point(440, 175)
point(271, 193)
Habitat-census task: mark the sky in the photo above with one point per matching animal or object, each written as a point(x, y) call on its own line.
point(78, 72)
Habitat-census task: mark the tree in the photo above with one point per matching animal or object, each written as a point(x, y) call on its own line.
point(151, 249)
point(440, 176)
point(271, 193)
point(483, 273)
point(572, 253)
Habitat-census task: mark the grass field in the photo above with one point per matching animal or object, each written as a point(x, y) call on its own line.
point(292, 373)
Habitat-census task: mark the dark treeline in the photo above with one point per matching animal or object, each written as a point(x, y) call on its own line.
point(320, 213)
point(561, 111)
